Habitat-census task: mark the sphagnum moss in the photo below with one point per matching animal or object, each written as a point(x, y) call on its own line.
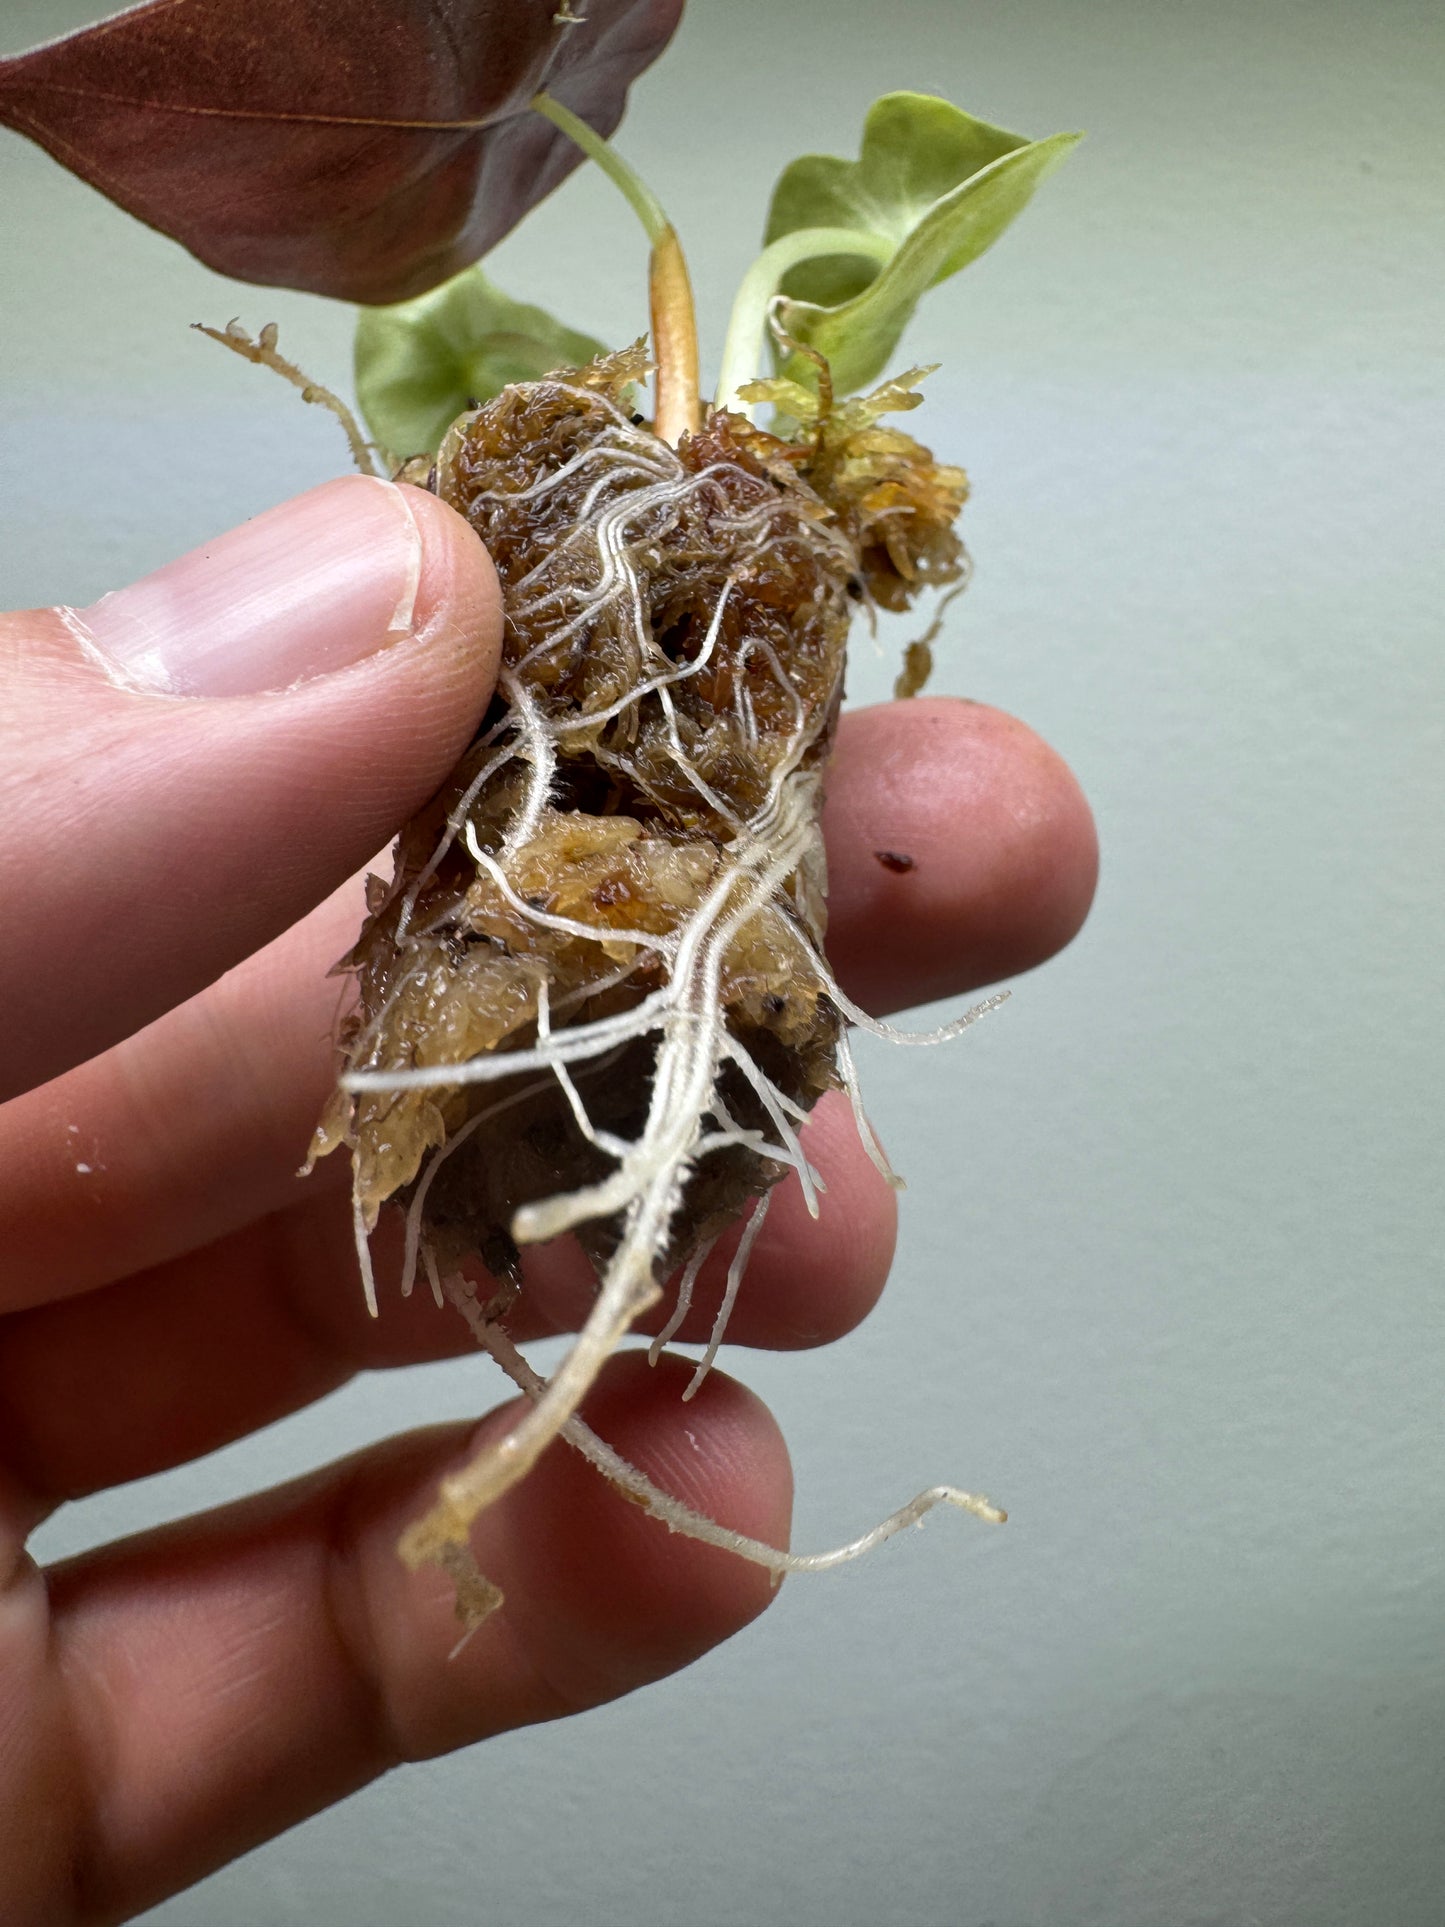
point(593, 997)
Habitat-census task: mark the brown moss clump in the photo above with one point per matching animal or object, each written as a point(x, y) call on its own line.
point(624, 563)
point(893, 502)
point(593, 996)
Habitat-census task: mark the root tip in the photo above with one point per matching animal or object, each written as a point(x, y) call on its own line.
point(427, 1543)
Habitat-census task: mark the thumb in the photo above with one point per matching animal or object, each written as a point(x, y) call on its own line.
point(190, 765)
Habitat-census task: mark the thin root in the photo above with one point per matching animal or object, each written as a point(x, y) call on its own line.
point(475, 1591)
point(264, 353)
point(730, 1294)
point(676, 626)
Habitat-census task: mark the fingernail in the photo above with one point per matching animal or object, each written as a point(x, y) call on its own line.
point(304, 589)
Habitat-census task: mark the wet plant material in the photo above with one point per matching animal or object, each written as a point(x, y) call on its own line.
point(676, 621)
point(593, 997)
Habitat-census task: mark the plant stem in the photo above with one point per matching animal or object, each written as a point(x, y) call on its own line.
point(643, 201)
point(763, 280)
point(674, 319)
point(674, 341)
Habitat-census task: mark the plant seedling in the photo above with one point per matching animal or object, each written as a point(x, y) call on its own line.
point(593, 996)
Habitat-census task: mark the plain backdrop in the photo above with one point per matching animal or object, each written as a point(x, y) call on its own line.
point(1169, 1282)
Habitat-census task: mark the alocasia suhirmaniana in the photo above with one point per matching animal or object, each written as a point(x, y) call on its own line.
point(593, 997)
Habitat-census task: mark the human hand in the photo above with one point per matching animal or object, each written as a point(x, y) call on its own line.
point(174, 856)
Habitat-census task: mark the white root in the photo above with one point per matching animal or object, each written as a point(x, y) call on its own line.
point(676, 1516)
point(590, 577)
point(564, 1047)
point(685, 1287)
point(434, 1276)
point(648, 1183)
point(363, 1254)
point(730, 1294)
point(863, 1124)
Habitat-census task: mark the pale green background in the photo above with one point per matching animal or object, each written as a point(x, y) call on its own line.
point(1169, 1280)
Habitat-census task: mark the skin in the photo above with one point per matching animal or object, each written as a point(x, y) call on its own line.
point(169, 1284)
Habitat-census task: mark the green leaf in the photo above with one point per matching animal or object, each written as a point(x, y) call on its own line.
point(420, 363)
point(933, 184)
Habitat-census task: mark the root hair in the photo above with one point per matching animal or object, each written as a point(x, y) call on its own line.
point(627, 871)
point(477, 1597)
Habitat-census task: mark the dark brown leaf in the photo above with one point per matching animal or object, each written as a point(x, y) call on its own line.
point(360, 148)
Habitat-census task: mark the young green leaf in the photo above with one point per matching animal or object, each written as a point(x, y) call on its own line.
point(420, 363)
point(362, 148)
point(931, 189)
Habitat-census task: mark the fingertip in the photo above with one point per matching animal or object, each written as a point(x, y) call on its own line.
point(304, 590)
point(226, 1676)
point(604, 1596)
point(958, 831)
point(599, 1597)
point(815, 1279)
point(1047, 863)
point(458, 598)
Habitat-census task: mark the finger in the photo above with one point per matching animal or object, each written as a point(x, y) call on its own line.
point(192, 1128)
point(164, 1367)
point(195, 1127)
point(226, 1677)
point(222, 744)
point(960, 851)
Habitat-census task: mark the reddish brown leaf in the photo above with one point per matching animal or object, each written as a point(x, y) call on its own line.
point(360, 148)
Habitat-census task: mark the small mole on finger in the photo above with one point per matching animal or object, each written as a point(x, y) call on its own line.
point(892, 860)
